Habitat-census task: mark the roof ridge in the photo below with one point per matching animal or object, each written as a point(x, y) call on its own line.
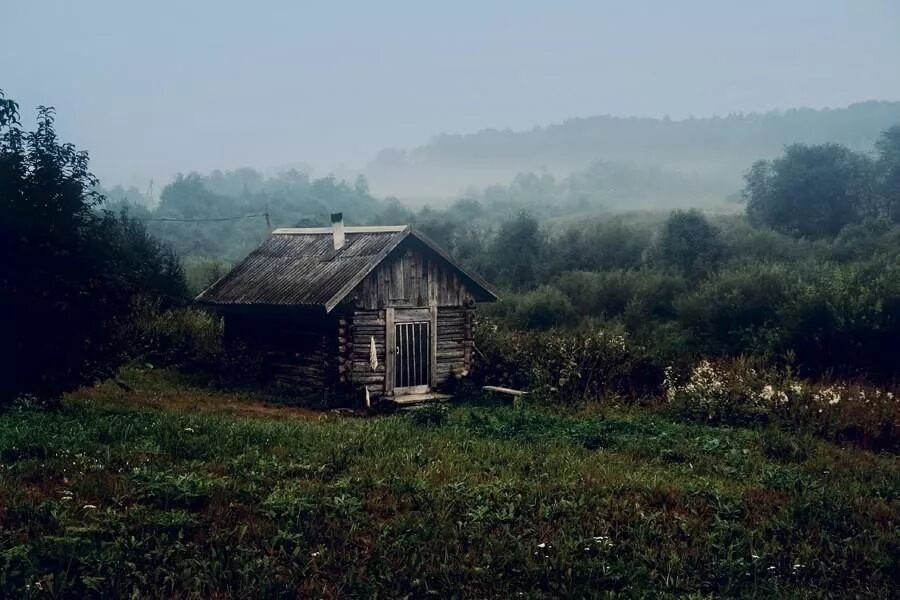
point(328, 230)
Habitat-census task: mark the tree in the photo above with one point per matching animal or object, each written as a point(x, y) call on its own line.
point(888, 172)
point(688, 244)
point(810, 192)
point(70, 271)
point(515, 252)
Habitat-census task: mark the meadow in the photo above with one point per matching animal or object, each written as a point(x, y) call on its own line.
point(161, 488)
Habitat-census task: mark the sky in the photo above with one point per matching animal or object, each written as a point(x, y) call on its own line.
point(155, 88)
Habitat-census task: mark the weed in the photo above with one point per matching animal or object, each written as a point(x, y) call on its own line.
point(113, 497)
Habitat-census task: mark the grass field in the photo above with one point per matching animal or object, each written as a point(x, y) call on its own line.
point(174, 491)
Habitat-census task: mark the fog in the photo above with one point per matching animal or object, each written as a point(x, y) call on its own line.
point(159, 88)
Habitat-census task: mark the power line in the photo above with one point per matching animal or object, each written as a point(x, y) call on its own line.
point(206, 220)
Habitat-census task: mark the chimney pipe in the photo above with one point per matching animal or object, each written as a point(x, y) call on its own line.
point(337, 230)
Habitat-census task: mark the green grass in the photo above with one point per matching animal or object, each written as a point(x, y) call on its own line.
point(157, 492)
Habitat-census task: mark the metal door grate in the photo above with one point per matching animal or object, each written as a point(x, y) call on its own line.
point(413, 354)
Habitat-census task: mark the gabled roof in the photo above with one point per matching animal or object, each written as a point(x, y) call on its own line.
point(301, 267)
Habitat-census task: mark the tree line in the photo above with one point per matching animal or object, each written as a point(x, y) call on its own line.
point(808, 277)
point(71, 273)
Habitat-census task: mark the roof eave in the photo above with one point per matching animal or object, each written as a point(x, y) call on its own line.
point(473, 277)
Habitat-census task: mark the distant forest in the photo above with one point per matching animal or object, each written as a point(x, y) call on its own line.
point(217, 218)
point(705, 157)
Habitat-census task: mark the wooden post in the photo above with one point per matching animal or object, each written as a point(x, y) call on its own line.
point(434, 345)
point(390, 350)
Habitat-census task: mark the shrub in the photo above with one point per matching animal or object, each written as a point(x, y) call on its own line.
point(740, 392)
point(179, 337)
point(543, 308)
point(736, 311)
point(844, 319)
point(599, 294)
point(688, 244)
point(719, 395)
point(565, 365)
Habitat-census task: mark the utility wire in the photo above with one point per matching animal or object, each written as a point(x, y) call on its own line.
point(212, 219)
point(206, 220)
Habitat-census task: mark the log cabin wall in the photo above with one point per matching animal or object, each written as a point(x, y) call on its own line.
point(412, 277)
point(455, 343)
point(299, 351)
point(362, 326)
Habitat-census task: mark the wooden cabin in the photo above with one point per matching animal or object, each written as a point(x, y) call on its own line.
point(376, 312)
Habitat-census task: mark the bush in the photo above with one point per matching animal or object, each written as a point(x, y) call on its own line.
point(844, 320)
point(599, 294)
point(543, 308)
point(719, 395)
point(688, 244)
point(565, 366)
point(741, 392)
point(175, 337)
point(736, 311)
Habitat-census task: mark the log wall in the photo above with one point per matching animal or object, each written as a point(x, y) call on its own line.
point(455, 344)
point(299, 352)
point(363, 326)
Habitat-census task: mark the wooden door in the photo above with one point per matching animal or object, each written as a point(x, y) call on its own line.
point(412, 365)
point(411, 341)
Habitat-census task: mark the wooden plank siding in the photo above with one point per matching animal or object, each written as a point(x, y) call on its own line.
point(410, 285)
point(412, 276)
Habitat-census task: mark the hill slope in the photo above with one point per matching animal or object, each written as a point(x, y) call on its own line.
point(716, 149)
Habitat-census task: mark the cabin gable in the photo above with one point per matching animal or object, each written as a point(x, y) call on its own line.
point(412, 275)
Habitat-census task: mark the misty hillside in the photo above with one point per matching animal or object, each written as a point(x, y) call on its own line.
point(712, 152)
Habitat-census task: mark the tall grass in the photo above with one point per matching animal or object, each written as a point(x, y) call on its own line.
point(104, 499)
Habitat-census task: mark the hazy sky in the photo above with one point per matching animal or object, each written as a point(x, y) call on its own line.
point(156, 87)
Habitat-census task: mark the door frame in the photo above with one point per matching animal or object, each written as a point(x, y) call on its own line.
point(392, 316)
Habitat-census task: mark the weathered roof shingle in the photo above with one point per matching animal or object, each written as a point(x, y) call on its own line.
point(301, 267)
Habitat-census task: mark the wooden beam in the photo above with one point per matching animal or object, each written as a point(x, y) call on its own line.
point(503, 390)
point(390, 346)
point(434, 342)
